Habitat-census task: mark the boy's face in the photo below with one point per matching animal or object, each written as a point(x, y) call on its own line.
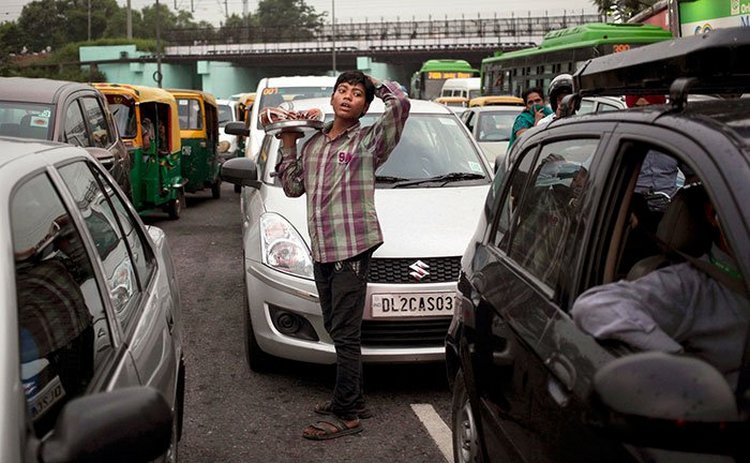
point(348, 101)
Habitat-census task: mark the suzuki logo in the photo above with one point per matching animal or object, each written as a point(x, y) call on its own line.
point(419, 270)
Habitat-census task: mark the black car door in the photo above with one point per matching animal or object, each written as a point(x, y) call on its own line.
point(567, 415)
point(517, 275)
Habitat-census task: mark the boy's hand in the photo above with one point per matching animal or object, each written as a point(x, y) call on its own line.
point(289, 139)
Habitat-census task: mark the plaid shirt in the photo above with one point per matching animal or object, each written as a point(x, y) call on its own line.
point(339, 178)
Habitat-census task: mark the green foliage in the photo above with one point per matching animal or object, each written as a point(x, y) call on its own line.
point(293, 19)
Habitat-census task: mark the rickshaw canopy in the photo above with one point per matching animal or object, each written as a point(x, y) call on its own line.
point(496, 100)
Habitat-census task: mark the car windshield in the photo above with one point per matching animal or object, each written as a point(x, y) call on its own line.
point(274, 96)
point(495, 125)
point(225, 114)
point(124, 116)
point(26, 120)
point(433, 148)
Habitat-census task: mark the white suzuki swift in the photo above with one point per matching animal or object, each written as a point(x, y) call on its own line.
point(428, 196)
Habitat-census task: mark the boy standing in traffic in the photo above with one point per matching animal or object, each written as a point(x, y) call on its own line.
point(337, 171)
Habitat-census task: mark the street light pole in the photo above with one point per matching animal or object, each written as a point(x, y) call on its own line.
point(333, 34)
point(157, 74)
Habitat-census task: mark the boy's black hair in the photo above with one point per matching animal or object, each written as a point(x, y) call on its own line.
point(354, 78)
point(531, 90)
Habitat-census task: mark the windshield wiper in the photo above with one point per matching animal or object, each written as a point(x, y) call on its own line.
point(389, 179)
point(445, 178)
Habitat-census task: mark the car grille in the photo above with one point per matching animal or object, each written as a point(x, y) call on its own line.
point(405, 333)
point(441, 270)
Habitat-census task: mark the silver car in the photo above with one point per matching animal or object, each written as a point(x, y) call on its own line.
point(91, 358)
point(429, 195)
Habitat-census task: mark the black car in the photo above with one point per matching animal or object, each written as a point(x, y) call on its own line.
point(529, 382)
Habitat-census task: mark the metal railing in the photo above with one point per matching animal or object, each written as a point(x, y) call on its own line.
point(509, 27)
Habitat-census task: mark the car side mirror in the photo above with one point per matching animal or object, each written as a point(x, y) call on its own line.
point(125, 425)
point(673, 402)
point(240, 171)
point(236, 128)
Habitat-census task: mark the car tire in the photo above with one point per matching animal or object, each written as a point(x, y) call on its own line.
point(174, 208)
point(467, 447)
point(216, 189)
point(257, 360)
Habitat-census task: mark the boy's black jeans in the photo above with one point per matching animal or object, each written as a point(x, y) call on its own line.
point(341, 287)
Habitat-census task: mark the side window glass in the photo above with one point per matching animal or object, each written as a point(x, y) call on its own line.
point(141, 254)
point(604, 107)
point(587, 106)
point(517, 182)
point(470, 121)
point(190, 114)
point(100, 134)
point(547, 215)
point(111, 246)
point(75, 127)
point(63, 329)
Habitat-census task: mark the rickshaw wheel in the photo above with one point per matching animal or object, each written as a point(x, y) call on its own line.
point(174, 208)
point(216, 189)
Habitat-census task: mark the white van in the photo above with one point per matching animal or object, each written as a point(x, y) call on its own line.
point(272, 91)
point(465, 88)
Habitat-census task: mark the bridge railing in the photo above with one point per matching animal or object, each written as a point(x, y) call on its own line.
point(511, 26)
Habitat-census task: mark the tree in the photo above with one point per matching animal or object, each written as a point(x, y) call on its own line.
point(287, 19)
point(622, 10)
point(42, 24)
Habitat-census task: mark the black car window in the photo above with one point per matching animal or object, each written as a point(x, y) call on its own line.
point(75, 127)
point(514, 191)
point(64, 333)
point(119, 269)
point(547, 216)
point(100, 130)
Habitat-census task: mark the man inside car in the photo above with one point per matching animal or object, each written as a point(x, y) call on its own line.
point(699, 307)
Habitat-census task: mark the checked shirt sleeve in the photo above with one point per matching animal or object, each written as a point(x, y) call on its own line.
point(385, 133)
point(290, 171)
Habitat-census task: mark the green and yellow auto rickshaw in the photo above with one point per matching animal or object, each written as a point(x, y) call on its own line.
point(147, 119)
point(199, 131)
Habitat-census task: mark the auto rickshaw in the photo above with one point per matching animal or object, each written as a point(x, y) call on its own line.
point(147, 119)
point(199, 131)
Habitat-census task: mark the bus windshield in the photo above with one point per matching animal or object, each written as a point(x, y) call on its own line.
point(561, 52)
point(427, 83)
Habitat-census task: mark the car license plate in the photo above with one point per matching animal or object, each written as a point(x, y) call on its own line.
point(413, 304)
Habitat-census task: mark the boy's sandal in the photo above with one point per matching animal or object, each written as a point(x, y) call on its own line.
point(331, 429)
point(362, 412)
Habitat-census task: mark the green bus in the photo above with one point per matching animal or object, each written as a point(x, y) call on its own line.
point(428, 81)
point(561, 51)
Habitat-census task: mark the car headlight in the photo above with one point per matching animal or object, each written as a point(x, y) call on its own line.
point(282, 247)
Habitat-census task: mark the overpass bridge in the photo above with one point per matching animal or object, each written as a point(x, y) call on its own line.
point(234, 60)
point(394, 42)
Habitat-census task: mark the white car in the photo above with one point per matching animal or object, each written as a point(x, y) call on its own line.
point(428, 196)
point(491, 126)
point(91, 347)
point(227, 114)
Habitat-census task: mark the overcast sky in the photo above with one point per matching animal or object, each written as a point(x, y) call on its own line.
point(359, 10)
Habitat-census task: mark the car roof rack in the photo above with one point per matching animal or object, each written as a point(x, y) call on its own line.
point(716, 62)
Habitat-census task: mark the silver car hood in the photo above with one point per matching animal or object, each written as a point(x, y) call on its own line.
point(416, 222)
